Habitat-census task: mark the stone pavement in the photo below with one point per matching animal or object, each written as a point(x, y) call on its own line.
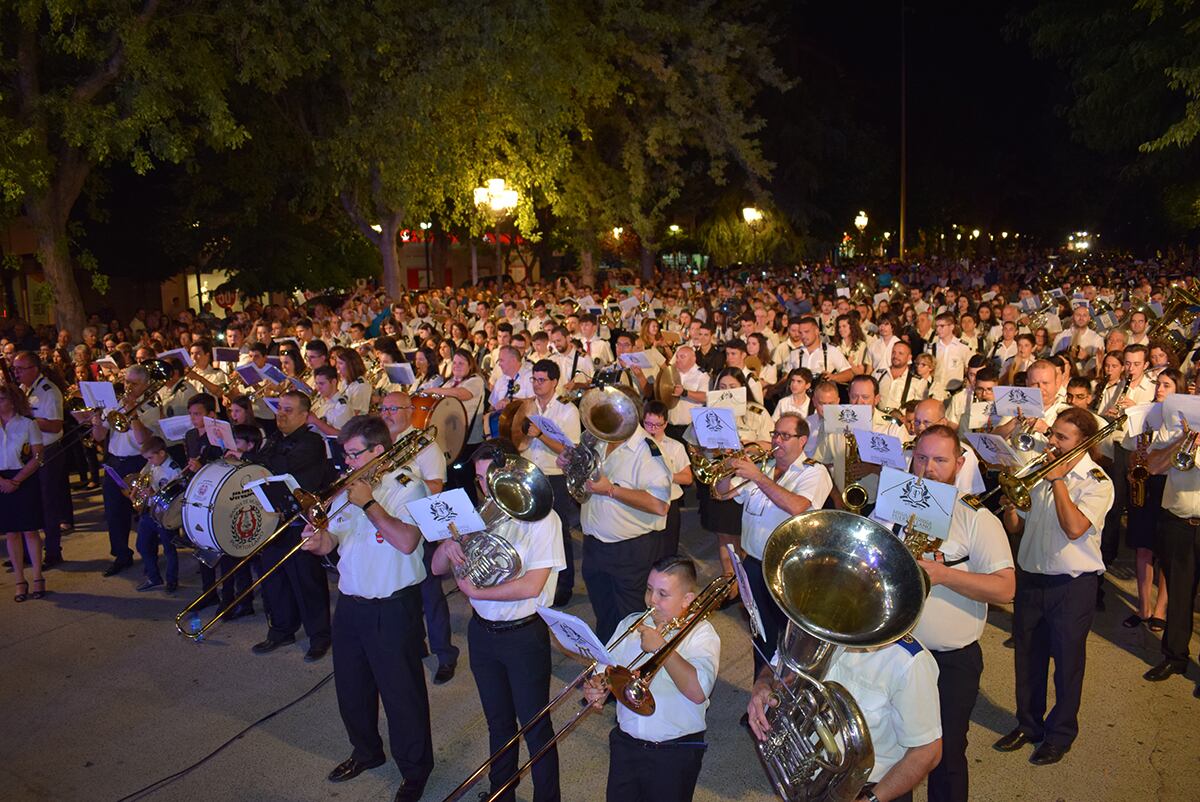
point(103, 698)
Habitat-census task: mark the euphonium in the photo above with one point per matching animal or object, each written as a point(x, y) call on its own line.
point(855, 496)
point(609, 415)
point(138, 489)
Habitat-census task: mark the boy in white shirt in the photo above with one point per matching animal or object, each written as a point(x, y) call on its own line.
point(161, 469)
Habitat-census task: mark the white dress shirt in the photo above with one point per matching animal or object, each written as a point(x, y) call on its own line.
point(760, 515)
point(788, 355)
point(694, 380)
point(123, 444)
point(430, 464)
point(674, 714)
point(630, 465)
point(574, 366)
point(788, 404)
point(597, 350)
point(879, 352)
point(1045, 548)
point(358, 396)
point(19, 432)
point(952, 358)
point(522, 386)
point(566, 416)
point(540, 545)
point(824, 358)
point(893, 392)
point(675, 455)
point(1181, 495)
point(369, 566)
point(46, 403)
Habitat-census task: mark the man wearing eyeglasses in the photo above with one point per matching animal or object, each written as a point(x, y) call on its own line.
point(46, 406)
point(542, 450)
point(790, 486)
point(428, 467)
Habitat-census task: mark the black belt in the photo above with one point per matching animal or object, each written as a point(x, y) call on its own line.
point(1188, 521)
point(396, 595)
point(504, 626)
point(959, 649)
point(694, 740)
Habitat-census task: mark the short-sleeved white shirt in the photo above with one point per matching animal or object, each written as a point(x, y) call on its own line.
point(760, 515)
point(630, 465)
point(540, 545)
point(1045, 548)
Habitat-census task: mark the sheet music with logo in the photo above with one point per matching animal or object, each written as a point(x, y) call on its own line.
point(179, 353)
point(743, 583)
point(1144, 418)
point(576, 636)
point(400, 374)
point(175, 427)
point(880, 449)
point(715, 428)
point(903, 497)
point(1013, 401)
point(435, 514)
point(551, 429)
point(839, 417)
point(734, 399)
point(1188, 406)
point(636, 359)
point(994, 450)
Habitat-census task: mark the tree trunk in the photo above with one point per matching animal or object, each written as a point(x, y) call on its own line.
point(646, 256)
point(54, 254)
point(390, 251)
point(587, 269)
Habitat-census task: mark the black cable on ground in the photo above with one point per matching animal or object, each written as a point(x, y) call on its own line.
point(170, 778)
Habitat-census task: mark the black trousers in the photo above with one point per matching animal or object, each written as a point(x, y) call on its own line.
point(296, 593)
point(118, 511)
point(568, 512)
point(376, 655)
point(56, 497)
point(641, 771)
point(959, 671)
point(1052, 615)
point(512, 673)
point(615, 576)
point(668, 536)
point(1179, 545)
point(1110, 536)
point(773, 619)
point(437, 613)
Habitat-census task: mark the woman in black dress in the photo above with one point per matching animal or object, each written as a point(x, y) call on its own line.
point(20, 499)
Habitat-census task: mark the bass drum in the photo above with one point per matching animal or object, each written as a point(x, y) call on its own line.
point(220, 514)
point(450, 418)
point(166, 506)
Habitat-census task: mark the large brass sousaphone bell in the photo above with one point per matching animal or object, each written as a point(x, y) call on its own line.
point(843, 581)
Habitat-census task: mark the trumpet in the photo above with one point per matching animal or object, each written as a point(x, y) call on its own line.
point(1022, 438)
point(711, 465)
point(316, 510)
point(1185, 457)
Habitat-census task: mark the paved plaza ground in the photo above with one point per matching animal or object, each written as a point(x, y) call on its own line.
point(103, 698)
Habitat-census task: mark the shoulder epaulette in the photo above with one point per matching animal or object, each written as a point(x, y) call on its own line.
point(911, 645)
point(653, 446)
point(1098, 475)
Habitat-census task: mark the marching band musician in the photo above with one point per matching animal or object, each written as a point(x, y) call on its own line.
point(654, 421)
point(593, 347)
point(931, 412)
point(1059, 565)
point(46, 409)
point(509, 642)
point(1179, 533)
point(898, 380)
point(657, 758)
point(832, 450)
point(692, 391)
point(124, 457)
point(377, 632)
point(574, 366)
point(971, 569)
point(512, 383)
point(204, 369)
point(297, 592)
point(1042, 376)
point(823, 361)
point(161, 469)
point(429, 466)
point(950, 356)
point(1081, 344)
point(330, 408)
point(542, 450)
point(628, 502)
point(789, 487)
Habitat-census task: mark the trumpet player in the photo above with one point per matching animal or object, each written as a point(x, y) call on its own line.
point(509, 642)
point(377, 633)
point(124, 457)
point(792, 485)
point(657, 758)
point(972, 568)
point(1059, 565)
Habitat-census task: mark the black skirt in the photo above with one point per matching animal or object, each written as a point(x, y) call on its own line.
point(1143, 520)
point(722, 517)
point(21, 511)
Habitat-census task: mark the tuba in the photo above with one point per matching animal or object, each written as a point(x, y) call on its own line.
point(609, 415)
point(843, 581)
point(516, 489)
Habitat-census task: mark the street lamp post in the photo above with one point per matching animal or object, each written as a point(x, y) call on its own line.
point(496, 200)
point(860, 222)
point(428, 264)
point(754, 219)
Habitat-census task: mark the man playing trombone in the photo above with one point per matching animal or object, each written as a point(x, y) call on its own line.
point(1059, 565)
point(509, 642)
point(377, 632)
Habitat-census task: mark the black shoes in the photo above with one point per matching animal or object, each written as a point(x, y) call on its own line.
point(149, 584)
point(315, 653)
point(1013, 741)
point(444, 674)
point(1163, 671)
point(409, 792)
point(351, 768)
point(239, 612)
point(268, 646)
point(117, 566)
point(1048, 753)
point(51, 561)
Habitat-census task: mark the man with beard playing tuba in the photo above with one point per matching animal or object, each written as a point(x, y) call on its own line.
point(508, 641)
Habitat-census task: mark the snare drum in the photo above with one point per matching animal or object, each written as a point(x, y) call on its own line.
point(450, 418)
point(220, 514)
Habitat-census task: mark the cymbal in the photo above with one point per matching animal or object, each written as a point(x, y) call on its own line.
point(664, 385)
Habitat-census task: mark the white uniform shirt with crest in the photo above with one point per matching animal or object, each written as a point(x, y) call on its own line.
point(46, 403)
point(335, 411)
point(879, 352)
point(832, 451)
point(1045, 548)
point(13, 437)
point(1141, 392)
point(760, 515)
point(951, 364)
point(754, 426)
point(575, 366)
point(369, 566)
point(892, 394)
point(895, 686)
point(358, 396)
point(675, 455)
point(540, 545)
point(950, 620)
point(694, 380)
point(123, 444)
point(824, 358)
point(674, 714)
point(430, 462)
point(522, 386)
point(160, 475)
point(567, 418)
point(630, 465)
point(597, 349)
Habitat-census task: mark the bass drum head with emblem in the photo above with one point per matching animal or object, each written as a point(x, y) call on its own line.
point(448, 415)
point(221, 514)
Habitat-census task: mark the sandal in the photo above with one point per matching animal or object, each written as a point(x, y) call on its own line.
point(1155, 624)
point(38, 593)
point(23, 595)
point(1133, 621)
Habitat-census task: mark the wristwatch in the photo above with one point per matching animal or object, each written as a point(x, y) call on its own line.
point(869, 795)
point(369, 505)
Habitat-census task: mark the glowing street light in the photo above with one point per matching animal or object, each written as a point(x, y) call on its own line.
point(974, 233)
point(860, 222)
point(617, 232)
point(497, 200)
point(674, 229)
point(752, 216)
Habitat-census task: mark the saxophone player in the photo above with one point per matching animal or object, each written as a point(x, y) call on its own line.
point(509, 642)
point(377, 622)
point(832, 450)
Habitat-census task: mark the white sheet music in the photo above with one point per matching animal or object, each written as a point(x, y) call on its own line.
point(576, 636)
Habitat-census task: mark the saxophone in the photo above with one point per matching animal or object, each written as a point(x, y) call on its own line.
point(855, 496)
point(1138, 472)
